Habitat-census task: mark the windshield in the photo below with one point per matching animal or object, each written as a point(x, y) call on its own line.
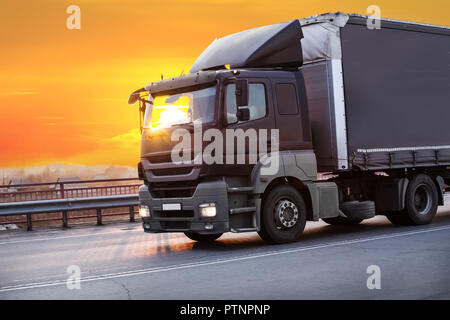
point(187, 107)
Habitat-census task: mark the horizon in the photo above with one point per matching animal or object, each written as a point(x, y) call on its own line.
point(51, 173)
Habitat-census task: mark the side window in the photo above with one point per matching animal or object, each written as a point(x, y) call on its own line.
point(256, 102)
point(286, 99)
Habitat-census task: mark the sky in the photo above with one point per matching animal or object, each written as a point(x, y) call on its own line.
point(63, 93)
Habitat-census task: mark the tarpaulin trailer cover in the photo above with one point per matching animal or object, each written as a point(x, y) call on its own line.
point(395, 92)
point(378, 98)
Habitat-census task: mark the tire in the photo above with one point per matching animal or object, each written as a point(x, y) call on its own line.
point(283, 215)
point(356, 212)
point(421, 202)
point(203, 237)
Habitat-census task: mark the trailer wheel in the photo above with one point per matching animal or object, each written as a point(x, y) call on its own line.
point(202, 237)
point(421, 202)
point(283, 215)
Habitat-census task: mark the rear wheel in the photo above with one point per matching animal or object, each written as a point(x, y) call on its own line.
point(283, 215)
point(421, 202)
point(202, 237)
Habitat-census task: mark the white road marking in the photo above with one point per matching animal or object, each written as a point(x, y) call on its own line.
point(220, 261)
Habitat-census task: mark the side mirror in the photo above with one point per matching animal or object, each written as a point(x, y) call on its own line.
point(134, 97)
point(243, 114)
point(241, 93)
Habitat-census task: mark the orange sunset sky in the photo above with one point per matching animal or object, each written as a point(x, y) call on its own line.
point(63, 93)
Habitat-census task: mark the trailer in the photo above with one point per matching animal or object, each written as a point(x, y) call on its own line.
point(360, 114)
point(388, 89)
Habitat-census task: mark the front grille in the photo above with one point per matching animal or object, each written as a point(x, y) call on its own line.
point(141, 173)
point(160, 158)
point(171, 171)
point(173, 190)
point(165, 158)
point(174, 214)
point(175, 225)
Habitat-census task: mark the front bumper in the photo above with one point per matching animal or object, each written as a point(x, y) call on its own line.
point(187, 219)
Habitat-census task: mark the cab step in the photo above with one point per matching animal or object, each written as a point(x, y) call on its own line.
point(240, 230)
point(242, 210)
point(240, 189)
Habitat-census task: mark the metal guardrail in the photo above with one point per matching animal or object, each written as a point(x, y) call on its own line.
point(37, 198)
point(29, 208)
point(67, 189)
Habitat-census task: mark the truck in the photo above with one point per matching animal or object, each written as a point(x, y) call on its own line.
point(358, 119)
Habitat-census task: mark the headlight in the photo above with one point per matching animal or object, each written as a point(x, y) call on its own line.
point(144, 211)
point(207, 210)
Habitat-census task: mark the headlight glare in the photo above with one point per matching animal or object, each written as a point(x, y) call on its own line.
point(208, 210)
point(144, 211)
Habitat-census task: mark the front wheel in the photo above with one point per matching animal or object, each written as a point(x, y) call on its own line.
point(202, 237)
point(283, 215)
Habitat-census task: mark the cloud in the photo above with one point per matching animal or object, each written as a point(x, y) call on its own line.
point(49, 118)
point(122, 99)
point(21, 92)
point(90, 123)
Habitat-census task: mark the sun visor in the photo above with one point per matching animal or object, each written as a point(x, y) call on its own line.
point(276, 45)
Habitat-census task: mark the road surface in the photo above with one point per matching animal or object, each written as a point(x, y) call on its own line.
point(120, 261)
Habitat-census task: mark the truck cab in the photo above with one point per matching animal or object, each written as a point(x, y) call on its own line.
point(207, 199)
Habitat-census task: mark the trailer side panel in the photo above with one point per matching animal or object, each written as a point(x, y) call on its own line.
point(397, 94)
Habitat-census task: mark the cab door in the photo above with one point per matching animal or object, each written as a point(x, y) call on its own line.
point(290, 118)
point(261, 114)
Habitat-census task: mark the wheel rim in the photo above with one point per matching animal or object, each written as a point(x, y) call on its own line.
point(286, 214)
point(422, 199)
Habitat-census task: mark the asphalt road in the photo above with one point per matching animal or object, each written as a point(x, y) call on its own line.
point(120, 261)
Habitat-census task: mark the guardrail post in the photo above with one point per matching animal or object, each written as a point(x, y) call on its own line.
point(99, 217)
point(29, 223)
point(132, 214)
point(64, 219)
